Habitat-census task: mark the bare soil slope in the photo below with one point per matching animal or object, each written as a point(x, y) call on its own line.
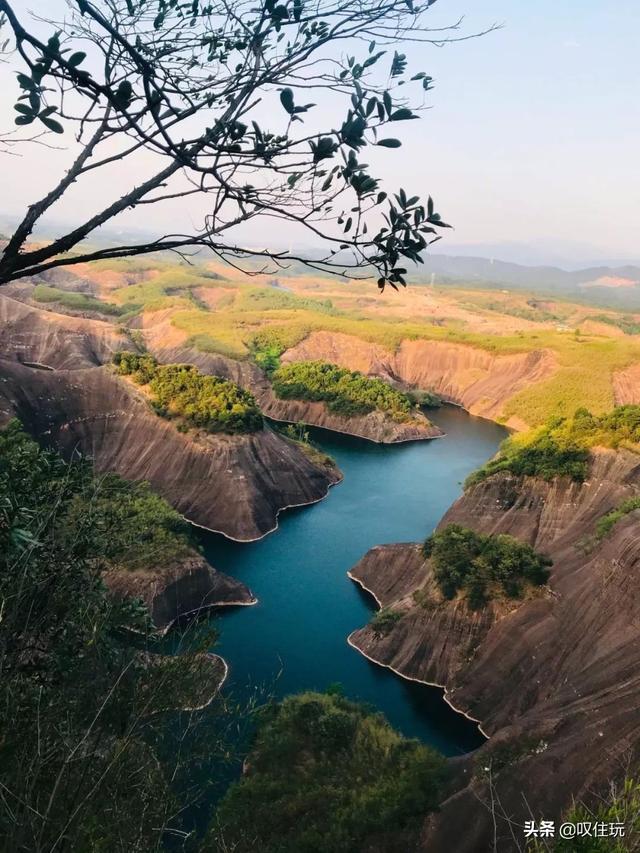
point(57, 341)
point(182, 590)
point(233, 484)
point(474, 378)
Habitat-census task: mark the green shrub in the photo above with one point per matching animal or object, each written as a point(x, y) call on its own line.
point(561, 446)
point(606, 524)
point(140, 366)
point(180, 390)
point(129, 526)
point(482, 565)
point(384, 620)
point(327, 774)
point(626, 323)
point(267, 357)
point(425, 399)
point(80, 756)
point(621, 805)
point(346, 392)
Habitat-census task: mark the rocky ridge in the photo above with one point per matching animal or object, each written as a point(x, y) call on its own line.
point(181, 591)
point(474, 378)
point(553, 679)
point(233, 484)
point(375, 426)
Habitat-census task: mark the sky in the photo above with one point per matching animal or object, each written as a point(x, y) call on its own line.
point(530, 147)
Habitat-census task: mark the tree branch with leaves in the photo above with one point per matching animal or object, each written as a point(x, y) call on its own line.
point(221, 96)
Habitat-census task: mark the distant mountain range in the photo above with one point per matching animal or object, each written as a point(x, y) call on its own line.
point(603, 285)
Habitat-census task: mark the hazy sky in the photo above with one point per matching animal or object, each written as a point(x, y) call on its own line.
point(533, 136)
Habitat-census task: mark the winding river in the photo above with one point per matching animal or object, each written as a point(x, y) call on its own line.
point(294, 639)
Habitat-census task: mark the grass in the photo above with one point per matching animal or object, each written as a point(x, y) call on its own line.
point(584, 378)
point(81, 301)
point(606, 524)
point(272, 298)
point(255, 319)
point(384, 620)
point(584, 375)
point(627, 323)
point(171, 288)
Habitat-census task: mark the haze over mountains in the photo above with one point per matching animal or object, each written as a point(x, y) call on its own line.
point(573, 271)
point(619, 285)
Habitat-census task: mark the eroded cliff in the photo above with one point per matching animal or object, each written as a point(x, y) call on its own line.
point(375, 426)
point(553, 679)
point(55, 341)
point(183, 590)
point(479, 380)
point(233, 484)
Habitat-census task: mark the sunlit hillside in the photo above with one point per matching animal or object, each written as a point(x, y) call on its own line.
point(217, 309)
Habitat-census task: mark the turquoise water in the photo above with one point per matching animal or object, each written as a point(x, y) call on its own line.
point(295, 638)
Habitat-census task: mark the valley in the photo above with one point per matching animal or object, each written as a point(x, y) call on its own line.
point(384, 465)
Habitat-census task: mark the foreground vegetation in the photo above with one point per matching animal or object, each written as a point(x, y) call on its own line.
point(200, 401)
point(346, 392)
point(561, 447)
point(621, 805)
point(327, 774)
point(78, 706)
point(481, 566)
point(125, 524)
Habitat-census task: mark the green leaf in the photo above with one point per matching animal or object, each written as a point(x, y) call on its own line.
point(124, 94)
point(373, 59)
point(389, 143)
point(399, 64)
point(25, 82)
point(24, 119)
point(24, 109)
point(77, 58)
point(402, 115)
point(286, 99)
point(52, 124)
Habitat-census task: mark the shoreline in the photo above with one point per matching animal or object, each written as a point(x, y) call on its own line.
point(419, 681)
point(359, 435)
point(277, 519)
point(401, 674)
point(202, 611)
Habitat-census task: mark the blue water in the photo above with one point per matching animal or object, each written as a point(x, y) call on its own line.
point(295, 638)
